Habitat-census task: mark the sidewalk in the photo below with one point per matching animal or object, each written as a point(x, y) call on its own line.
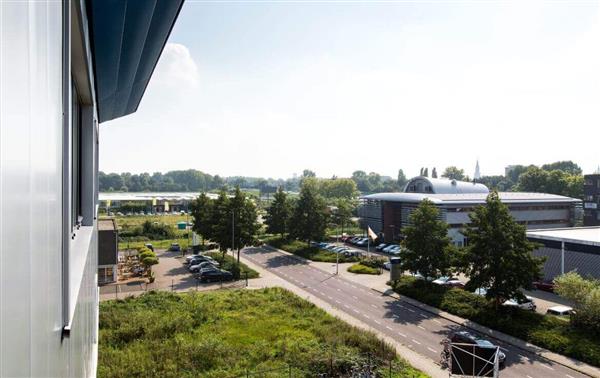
point(378, 283)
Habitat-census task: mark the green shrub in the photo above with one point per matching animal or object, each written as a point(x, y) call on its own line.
point(363, 269)
point(545, 331)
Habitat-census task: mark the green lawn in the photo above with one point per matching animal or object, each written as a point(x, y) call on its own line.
point(545, 331)
point(301, 249)
point(229, 333)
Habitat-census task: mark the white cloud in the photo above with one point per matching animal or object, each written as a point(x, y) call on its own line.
point(176, 67)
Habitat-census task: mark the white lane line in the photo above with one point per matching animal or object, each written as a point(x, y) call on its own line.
point(506, 350)
point(338, 302)
point(338, 289)
point(423, 315)
point(423, 328)
point(569, 376)
point(437, 321)
point(401, 334)
point(410, 309)
point(431, 350)
point(329, 298)
point(320, 292)
point(388, 327)
point(529, 376)
point(547, 367)
point(358, 312)
point(376, 321)
point(416, 342)
point(366, 316)
point(355, 297)
point(354, 287)
point(372, 305)
point(345, 305)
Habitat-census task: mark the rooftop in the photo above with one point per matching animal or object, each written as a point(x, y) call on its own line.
point(149, 196)
point(106, 224)
point(581, 235)
point(471, 198)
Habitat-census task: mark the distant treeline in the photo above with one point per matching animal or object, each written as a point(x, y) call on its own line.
point(563, 178)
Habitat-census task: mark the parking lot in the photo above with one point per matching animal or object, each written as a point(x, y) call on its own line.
point(543, 300)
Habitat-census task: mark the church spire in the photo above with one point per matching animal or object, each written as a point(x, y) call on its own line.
point(477, 174)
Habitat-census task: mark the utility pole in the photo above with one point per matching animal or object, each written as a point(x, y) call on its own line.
point(233, 232)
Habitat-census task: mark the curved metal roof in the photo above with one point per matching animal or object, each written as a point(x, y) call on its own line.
point(471, 198)
point(447, 186)
point(127, 38)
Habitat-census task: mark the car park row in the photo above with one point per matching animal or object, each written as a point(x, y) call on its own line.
point(206, 269)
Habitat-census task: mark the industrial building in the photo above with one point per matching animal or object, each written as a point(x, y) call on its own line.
point(65, 68)
point(568, 249)
point(150, 202)
point(388, 213)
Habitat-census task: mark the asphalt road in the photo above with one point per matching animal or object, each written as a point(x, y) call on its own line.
point(421, 331)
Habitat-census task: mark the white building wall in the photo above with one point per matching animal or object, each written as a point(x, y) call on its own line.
point(31, 296)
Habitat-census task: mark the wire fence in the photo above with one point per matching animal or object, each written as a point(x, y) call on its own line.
point(120, 291)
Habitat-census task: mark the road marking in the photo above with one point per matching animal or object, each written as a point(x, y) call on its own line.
point(376, 321)
point(358, 312)
point(437, 321)
point(338, 302)
point(366, 316)
point(396, 316)
point(345, 305)
point(506, 350)
point(416, 342)
point(355, 297)
point(372, 305)
point(569, 376)
point(547, 367)
point(388, 327)
point(320, 292)
point(423, 328)
point(431, 350)
point(529, 376)
point(410, 309)
point(329, 298)
point(354, 287)
point(338, 289)
point(401, 334)
point(423, 315)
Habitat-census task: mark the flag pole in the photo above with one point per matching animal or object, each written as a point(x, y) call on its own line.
point(368, 243)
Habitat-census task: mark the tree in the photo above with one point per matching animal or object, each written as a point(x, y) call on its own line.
point(426, 246)
point(343, 214)
point(308, 173)
point(309, 217)
point(147, 258)
point(585, 293)
point(566, 166)
point(338, 188)
point(202, 208)
point(434, 173)
point(279, 213)
point(221, 222)
point(454, 173)
point(534, 179)
point(499, 256)
point(244, 218)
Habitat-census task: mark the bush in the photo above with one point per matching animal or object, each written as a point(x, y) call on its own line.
point(300, 248)
point(230, 264)
point(545, 331)
point(363, 269)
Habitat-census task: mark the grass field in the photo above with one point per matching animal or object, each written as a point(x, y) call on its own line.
point(231, 333)
point(128, 223)
point(363, 269)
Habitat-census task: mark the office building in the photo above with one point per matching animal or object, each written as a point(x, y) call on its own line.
point(591, 200)
point(65, 68)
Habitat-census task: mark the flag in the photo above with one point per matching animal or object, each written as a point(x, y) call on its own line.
point(166, 206)
point(153, 201)
point(371, 234)
point(107, 203)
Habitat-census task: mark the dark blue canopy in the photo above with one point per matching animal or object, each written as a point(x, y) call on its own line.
point(127, 38)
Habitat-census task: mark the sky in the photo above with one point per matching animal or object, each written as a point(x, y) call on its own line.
point(270, 88)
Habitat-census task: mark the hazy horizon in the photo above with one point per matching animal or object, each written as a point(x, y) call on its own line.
point(267, 89)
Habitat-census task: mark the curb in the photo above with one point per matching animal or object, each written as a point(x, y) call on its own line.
point(570, 363)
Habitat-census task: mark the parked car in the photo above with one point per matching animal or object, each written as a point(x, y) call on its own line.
point(215, 275)
point(560, 310)
point(201, 258)
point(449, 281)
point(174, 247)
point(389, 248)
point(525, 304)
point(362, 242)
point(380, 246)
point(545, 286)
point(387, 265)
point(481, 291)
point(201, 265)
point(464, 337)
point(191, 257)
point(395, 250)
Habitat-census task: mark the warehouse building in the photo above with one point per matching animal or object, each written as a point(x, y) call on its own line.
point(568, 249)
point(388, 213)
